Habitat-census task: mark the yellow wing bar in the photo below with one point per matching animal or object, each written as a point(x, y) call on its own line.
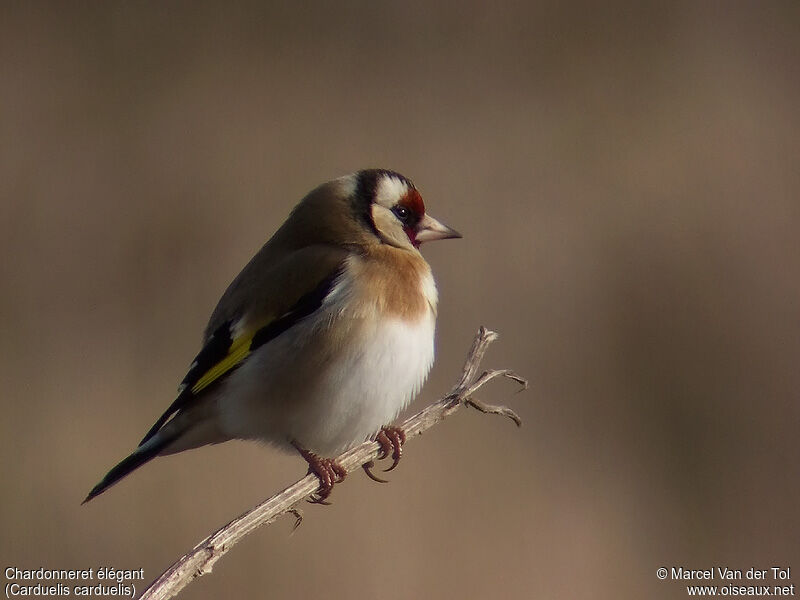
point(238, 351)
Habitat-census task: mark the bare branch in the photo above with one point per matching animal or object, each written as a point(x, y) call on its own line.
point(200, 559)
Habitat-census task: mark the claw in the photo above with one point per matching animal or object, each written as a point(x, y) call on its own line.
point(318, 500)
point(391, 440)
point(368, 470)
point(327, 470)
point(385, 443)
point(338, 470)
point(398, 438)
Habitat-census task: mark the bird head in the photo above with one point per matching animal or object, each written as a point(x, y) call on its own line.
point(396, 210)
point(373, 206)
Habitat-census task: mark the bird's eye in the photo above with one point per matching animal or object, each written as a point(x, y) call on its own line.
point(402, 213)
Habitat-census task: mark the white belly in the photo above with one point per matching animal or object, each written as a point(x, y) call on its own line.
point(328, 395)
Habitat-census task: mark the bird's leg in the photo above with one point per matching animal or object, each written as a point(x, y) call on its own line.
point(327, 470)
point(391, 440)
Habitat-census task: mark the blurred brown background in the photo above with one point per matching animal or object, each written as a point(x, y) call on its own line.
point(626, 178)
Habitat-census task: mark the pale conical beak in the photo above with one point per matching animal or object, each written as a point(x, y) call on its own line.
point(429, 229)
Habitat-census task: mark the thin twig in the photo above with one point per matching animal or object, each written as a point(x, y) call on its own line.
point(200, 559)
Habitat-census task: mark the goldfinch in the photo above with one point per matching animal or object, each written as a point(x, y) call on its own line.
point(321, 340)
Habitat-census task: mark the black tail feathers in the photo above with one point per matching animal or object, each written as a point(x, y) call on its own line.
point(125, 467)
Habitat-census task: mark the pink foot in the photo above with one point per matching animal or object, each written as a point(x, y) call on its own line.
point(391, 440)
point(327, 470)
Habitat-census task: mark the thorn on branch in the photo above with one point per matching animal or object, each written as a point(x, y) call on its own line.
point(298, 517)
point(493, 409)
point(487, 376)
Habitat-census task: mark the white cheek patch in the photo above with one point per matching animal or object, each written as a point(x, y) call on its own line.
point(389, 191)
point(389, 228)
